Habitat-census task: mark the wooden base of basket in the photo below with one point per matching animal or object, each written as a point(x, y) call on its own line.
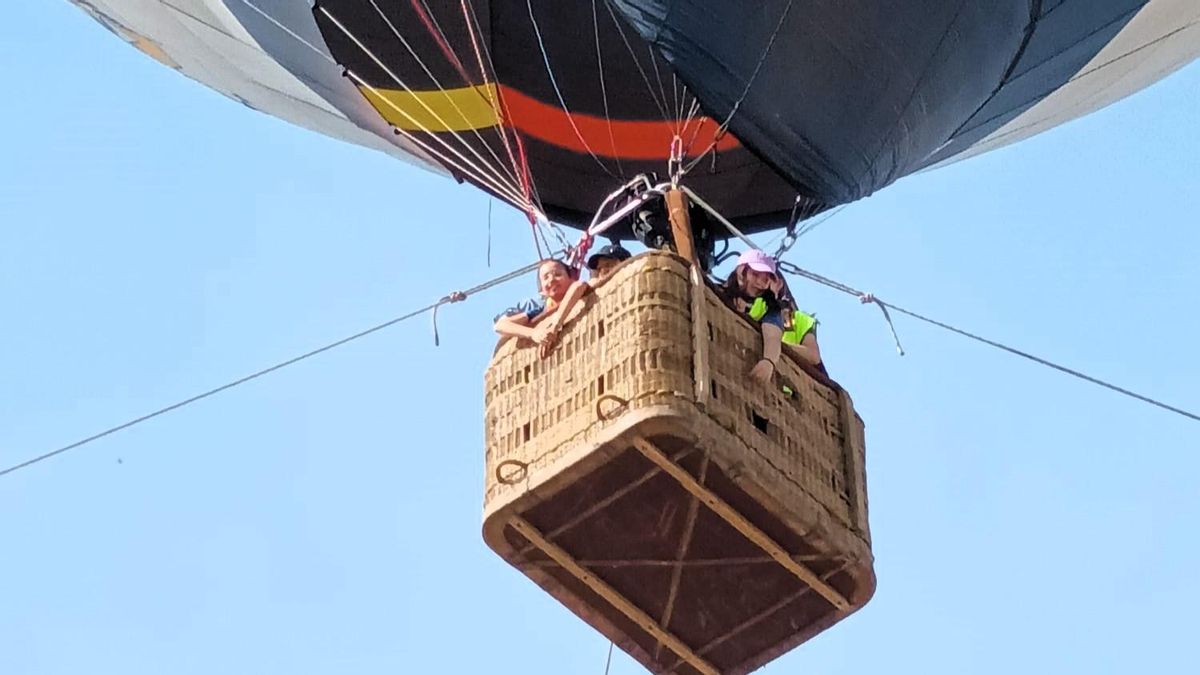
point(658, 535)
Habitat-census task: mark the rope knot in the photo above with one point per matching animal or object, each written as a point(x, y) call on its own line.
point(869, 298)
point(455, 296)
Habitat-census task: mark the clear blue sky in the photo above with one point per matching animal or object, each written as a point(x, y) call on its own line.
point(157, 239)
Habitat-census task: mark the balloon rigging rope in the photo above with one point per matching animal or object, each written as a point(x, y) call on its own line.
point(680, 122)
point(509, 193)
point(866, 297)
point(681, 94)
point(792, 234)
point(662, 106)
point(519, 160)
point(434, 27)
point(661, 88)
point(790, 268)
point(604, 88)
point(537, 31)
point(511, 170)
point(512, 189)
point(539, 231)
point(818, 221)
point(762, 59)
point(691, 117)
point(559, 235)
point(687, 119)
point(451, 298)
point(505, 193)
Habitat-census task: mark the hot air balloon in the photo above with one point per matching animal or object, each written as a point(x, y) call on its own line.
point(550, 105)
point(704, 524)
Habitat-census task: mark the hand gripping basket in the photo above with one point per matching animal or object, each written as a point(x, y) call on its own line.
point(702, 521)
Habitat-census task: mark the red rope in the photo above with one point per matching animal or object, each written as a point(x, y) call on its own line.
point(521, 167)
point(519, 160)
point(436, 34)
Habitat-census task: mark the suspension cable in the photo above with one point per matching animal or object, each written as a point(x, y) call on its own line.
point(511, 171)
point(506, 192)
point(762, 59)
point(519, 160)
point(452, 297)
point(866, 297)
point(506, 195)
point(537, 31)
point(482, 52)
point(793, 233)
point(662, 106)
point(604, 89)
point(790, 268)
point(412, 120)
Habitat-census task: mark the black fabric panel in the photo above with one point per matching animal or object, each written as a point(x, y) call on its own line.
point(568, 32)
point(600, 65)
point(854, 94)
point(1064, 39)
point(571, 189)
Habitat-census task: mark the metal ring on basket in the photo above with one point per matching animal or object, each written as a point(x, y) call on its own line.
point(622, 405)
point(515, 477)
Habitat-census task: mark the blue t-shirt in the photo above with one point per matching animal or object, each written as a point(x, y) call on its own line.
point(773, 317)
point(531, 308)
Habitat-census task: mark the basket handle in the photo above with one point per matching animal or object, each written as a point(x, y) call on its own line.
point(512, 479)
point(621, 405)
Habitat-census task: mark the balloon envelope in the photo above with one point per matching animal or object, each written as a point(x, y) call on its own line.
point(778, 109)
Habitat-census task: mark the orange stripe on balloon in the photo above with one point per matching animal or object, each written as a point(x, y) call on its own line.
point(628, 139)
point(468, 108)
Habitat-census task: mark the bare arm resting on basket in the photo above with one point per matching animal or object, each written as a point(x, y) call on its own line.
point(808, 350)
point(541, 322)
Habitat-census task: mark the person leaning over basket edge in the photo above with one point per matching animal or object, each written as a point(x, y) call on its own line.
point(755, 289)
point(540, 320)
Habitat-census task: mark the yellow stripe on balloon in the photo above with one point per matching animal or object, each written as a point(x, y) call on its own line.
point(461, 109)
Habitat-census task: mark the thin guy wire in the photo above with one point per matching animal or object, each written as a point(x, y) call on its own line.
point(788, 267)
point(537, 31)
point(762, 59)
point(511, 171)
point(266, 371)
point(604, 89)
point(511, 198)
point(495, 174)
point(662, 106)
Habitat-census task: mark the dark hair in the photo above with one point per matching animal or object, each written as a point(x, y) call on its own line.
point(731, 289)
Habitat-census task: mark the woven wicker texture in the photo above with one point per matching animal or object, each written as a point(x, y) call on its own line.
point(633, 341)
point(653, 360)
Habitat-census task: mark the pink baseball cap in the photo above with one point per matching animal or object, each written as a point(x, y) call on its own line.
point(758, 261)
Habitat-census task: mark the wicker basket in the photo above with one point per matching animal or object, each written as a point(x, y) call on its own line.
point(703, 522)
